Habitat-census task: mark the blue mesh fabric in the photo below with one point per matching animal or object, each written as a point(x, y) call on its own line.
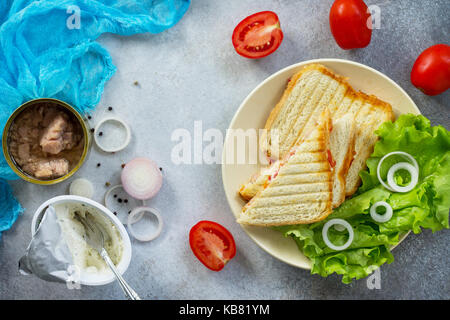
point(9, 207)
point(48, 49)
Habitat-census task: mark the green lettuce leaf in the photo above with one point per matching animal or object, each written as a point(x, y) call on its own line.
point(426, 206)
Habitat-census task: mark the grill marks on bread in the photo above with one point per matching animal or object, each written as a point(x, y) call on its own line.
point(294, 195)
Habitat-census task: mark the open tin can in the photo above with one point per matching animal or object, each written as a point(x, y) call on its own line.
point(68, 109)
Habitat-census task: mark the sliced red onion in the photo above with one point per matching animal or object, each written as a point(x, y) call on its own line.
point(339, 222)
point(381, 217)
point(139, 212)
point(141, 178)
point(122, 215)
point(412, 169)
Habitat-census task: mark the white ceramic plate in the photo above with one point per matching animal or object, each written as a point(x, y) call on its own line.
point(252, 114)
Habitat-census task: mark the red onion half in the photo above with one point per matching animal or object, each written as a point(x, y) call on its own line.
point(141, 178)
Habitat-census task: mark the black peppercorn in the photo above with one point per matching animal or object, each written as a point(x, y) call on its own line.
point(99, 164)
point(100, 133)
point(92, 130)
point(110, 108)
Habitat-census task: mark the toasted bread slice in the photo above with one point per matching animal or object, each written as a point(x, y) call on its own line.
point(308, 93)
point(294, 194)
point(309, 165)
point(342, 141)
point(259, 180)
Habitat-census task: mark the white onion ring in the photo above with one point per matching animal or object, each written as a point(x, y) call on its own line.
point(141, 211)
point(343, 223)
point(141, 178)
point(381, 217)
point(412, 169)
point(124, 143)
point(107, 196)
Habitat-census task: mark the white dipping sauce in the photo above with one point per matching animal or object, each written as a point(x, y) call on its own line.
point(84, 256)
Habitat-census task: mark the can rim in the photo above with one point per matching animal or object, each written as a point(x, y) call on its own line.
point(12, 163)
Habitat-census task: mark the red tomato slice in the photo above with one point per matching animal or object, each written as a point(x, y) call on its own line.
point(348, 24)
point(330, 159)
point(431, 71)
point(257, 35)
point(212, 244)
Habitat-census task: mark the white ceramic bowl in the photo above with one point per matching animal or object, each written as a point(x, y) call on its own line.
point(91, 279)
point(252, 114)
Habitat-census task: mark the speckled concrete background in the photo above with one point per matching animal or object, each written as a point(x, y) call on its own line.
point(191, 72)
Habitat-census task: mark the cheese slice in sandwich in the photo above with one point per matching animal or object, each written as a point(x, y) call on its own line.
point(300, 189)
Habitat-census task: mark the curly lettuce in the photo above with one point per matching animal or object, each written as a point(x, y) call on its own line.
point(425, 207)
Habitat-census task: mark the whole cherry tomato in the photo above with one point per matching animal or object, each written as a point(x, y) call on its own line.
point(431, 71)
point(349, 20)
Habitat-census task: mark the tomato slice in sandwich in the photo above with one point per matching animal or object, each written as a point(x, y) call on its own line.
point(212, 244)
point(258, 35)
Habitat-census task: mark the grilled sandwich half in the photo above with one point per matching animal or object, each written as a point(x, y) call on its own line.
point(369, 113)
point(299, 190)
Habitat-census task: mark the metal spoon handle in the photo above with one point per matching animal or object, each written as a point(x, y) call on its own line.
point(129, 292)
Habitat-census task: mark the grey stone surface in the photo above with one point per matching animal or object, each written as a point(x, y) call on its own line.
point(191, 72)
